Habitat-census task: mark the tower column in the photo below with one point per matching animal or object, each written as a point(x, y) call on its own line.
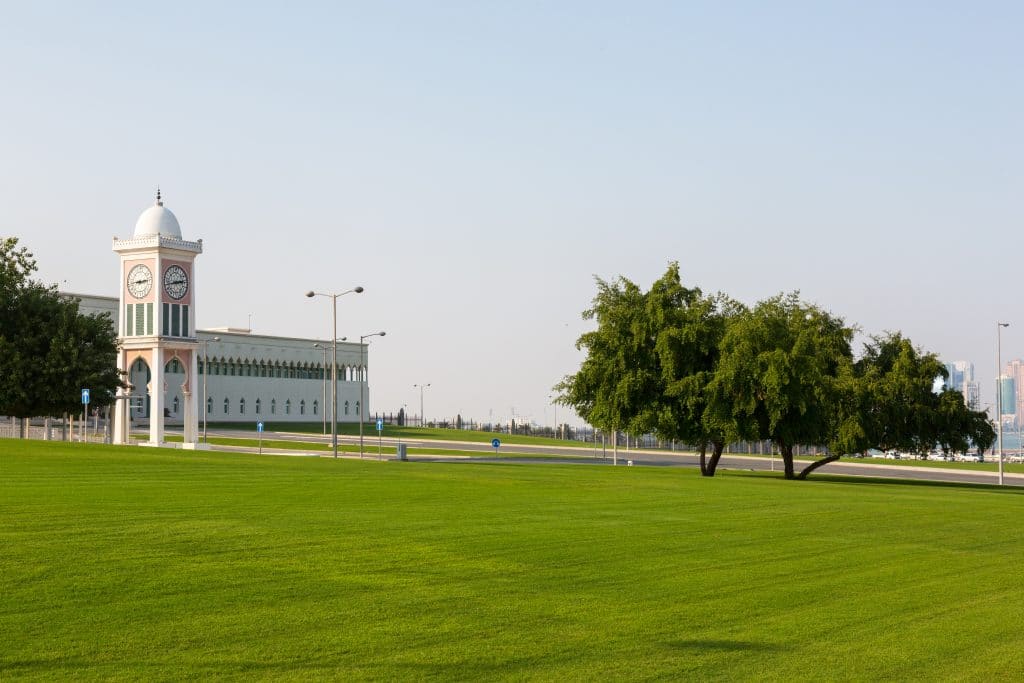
point(156, 398)
point(121, 401)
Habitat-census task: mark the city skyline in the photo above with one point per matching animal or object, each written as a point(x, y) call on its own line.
point(475, 166)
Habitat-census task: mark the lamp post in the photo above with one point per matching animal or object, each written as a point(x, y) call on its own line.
point(334, 361)
point(999, 392)
point(362, 383)
point(323, 406)
point(423, 420)
point(206, 371)
point(554, 406)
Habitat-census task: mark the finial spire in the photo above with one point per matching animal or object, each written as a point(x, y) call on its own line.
point(158, 202)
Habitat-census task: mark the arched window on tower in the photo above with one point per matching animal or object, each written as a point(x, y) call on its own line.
point(346, 407)
point(227, 406)
point(357, 407)
point(258, 406)
point(288, 407)
point(302, 407)
point(273, 406)
point(241, 406)
point(209, 406)
point(175, 405)
point(316, 407)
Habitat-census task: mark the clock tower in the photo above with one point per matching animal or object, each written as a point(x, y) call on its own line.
point(156, 330)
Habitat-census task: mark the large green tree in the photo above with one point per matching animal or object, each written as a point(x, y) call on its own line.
point(618, 381)
point(49, 350)
point(649, 361)
point(782, 375)
point(688, 327)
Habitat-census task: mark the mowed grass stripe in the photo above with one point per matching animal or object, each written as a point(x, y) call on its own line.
point(142, 563)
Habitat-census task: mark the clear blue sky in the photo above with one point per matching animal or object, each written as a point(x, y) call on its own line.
point(473, 165)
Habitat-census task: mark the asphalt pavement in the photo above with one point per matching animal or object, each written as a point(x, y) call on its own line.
point(517, 453)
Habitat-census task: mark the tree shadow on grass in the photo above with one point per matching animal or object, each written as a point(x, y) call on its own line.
point(860, 480)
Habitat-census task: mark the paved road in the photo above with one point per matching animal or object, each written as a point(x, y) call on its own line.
point(649, 458)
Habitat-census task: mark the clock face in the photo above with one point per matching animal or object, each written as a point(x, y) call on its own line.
point(140, 281)
point(175, 282)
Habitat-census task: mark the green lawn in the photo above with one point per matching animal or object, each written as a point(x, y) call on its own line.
point(162, 564)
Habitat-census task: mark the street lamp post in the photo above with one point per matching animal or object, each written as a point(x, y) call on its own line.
point(362, 383)
point(206, 371)
point(423, 420)
point(999, 392)
point(334, 361)
point(323, 406)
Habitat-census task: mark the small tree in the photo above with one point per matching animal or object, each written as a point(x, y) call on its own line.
point(49, 350)
point(898, 408)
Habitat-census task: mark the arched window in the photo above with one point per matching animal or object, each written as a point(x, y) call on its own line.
point(302, 407)
point(346, 407)
point(241, 406)
point(357, 407)
point(273, 406)
point(227, 406)
point(175, 405)
point(209, 406)
point(316, 407)
point(288, 407)
point(258, 406)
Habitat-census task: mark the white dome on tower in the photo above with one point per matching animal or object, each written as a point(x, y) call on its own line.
point(157, 220)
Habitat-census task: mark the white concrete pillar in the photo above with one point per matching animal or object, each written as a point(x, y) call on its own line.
point(121, 404)
point(156, 398)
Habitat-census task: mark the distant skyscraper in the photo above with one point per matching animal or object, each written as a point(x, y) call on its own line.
point(1008, 395)
point(1015, 370)
point(961, 378)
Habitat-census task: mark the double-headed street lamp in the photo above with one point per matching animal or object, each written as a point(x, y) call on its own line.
point(206, 371)
point(999, 392)
point(334, 362)
point(323, 406)
point(362, 383)
point(423, 421)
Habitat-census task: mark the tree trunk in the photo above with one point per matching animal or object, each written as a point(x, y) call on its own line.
point(816, 464)
point(716, 455)
point(786, 451)
point(703, 462)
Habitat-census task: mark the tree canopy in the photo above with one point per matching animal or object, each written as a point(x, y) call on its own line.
point(49, 350)
point(706, 370)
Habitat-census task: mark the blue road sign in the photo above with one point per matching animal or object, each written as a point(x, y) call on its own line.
point(259, 426)
point(495, 442)
point(85, 397)
point(380, 424)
